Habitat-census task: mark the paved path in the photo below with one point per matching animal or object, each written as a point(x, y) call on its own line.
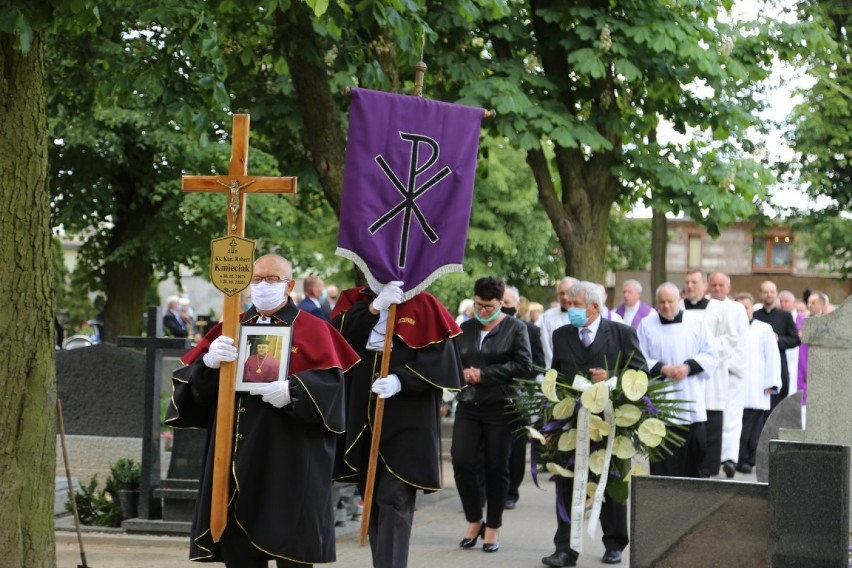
point(526, 536)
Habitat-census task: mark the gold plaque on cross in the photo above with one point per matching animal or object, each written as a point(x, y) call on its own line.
point(231, 264)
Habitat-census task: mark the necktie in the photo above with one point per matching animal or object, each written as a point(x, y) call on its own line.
point(585, 334)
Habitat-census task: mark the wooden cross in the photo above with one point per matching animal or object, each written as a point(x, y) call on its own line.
point(236, 184)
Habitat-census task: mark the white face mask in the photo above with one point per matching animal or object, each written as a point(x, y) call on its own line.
point(266, 296)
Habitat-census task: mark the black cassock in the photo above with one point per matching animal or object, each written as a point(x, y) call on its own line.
point(410, 440)
point(280, 487)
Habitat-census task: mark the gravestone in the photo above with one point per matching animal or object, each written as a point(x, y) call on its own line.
point(799, 519)
point(829, 380)
point(102, 392)
point(787, 415)
point(809, 485)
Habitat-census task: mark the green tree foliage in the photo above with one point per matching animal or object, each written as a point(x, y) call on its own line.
point(583, 87)
point(509, 235)
point(821, 136)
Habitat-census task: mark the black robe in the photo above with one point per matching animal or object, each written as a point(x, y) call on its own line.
point(281, 477)
point(784, 326)
point(410, 439)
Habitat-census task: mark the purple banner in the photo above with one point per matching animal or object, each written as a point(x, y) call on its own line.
point(407, 187)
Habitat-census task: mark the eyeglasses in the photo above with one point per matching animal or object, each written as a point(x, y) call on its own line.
point(487, 308)
point(270, 279)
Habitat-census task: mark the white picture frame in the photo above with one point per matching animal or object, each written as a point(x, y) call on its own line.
point(264, 355)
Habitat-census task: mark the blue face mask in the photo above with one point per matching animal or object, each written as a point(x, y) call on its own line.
point(489, 319)
point(577, 316)
point(324, 295)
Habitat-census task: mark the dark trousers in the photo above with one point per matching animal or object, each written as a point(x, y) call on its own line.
point(390, 519)
point(238, 551)
point(490, 426)
point(685, 461)
point(613, 522)
point(517, 464)
point(713, 458)
point(750, 436)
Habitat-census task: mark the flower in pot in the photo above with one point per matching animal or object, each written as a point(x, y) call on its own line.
point(123, 486)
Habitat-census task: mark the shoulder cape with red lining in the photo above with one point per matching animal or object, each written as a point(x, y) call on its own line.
point(420, 321)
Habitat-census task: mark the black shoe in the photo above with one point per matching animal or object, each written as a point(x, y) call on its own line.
point(728, 468)
point(744, 468)
point(490, 547)
point(612, 556)
point(559, 559)
point(471, 542)
point(510, 504)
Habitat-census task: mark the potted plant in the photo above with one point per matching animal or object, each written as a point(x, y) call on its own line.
point(123, 486)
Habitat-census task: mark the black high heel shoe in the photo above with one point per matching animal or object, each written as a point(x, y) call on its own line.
point(471, 542)
point(490, 547)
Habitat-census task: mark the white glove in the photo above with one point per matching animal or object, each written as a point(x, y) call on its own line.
point(221, 350)
point(276, 393)
point(390, 294)
point(387, 386)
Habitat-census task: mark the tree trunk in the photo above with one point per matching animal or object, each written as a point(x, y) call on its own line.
point(132, 279)
point(579, 218)
point(659, 240)
point(322, 130)
point(27, 367)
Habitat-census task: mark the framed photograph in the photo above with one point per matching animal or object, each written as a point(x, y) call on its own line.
point(264, 355)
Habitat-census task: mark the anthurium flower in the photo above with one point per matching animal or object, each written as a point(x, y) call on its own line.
point(567, 441)
point(596, 397)
point(564, 408)
point(548, 385)
point(598, 428)
point(596, 461)
point(557, 469)
point(627, 415)
point(535, 434)
point(651, 432)
point(634, 383)
point(637, 468)
point(623, 448)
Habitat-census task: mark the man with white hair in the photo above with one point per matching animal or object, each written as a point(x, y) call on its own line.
point(633, 309)
point(598, 349)
point(554, 318)
point(735, 366)
point(678, 347)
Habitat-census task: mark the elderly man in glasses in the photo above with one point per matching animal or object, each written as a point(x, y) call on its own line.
point(280, 505)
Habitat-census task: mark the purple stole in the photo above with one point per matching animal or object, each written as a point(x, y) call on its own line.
point(644, 310)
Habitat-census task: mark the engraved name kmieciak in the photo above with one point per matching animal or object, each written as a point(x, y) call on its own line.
point(410, 191)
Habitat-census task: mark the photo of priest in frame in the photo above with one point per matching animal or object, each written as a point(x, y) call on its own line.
point(264, 355)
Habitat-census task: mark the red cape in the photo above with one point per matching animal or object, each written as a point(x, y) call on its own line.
point(420, 321)
point(316, 345)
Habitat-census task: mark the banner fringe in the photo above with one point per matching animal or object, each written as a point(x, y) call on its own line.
point(377, 286)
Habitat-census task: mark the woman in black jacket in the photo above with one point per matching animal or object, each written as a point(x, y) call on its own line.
point(494, 349)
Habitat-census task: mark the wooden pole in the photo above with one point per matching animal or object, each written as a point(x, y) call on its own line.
point(238, 166)
point(72, 495)
point(377, 429)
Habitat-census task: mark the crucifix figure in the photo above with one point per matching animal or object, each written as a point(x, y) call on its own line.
point(236, 184)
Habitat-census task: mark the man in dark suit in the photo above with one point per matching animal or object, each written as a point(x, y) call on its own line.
point(313, 288)
point(173, 320)
point(598, 349)
point(518, 451)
